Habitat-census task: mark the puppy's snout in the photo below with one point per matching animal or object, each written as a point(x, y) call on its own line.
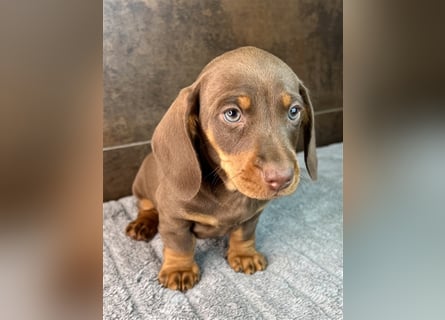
point(277, 178)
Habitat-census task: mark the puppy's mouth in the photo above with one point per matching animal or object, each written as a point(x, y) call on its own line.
point(258, 187)
point(246, 173)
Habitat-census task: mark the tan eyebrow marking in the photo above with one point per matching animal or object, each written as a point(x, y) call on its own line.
point(244, 102)
point(287, 100)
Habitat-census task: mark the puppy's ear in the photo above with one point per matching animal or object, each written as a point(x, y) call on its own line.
point(173, 147)
point(310, 154)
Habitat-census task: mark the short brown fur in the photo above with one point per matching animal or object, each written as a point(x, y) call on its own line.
point(210, 175)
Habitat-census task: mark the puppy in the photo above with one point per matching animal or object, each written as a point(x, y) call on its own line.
point(224, 149)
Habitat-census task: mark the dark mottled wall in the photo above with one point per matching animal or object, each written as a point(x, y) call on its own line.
point(153, 48)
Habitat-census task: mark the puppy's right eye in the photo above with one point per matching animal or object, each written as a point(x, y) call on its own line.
point(294, 113)
point(232, 115)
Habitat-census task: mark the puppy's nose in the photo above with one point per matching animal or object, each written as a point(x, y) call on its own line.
point(278, 179)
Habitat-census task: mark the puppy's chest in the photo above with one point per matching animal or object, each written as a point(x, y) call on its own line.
point(216, 215)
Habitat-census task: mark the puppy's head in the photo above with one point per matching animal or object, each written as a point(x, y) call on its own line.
point(247, 107)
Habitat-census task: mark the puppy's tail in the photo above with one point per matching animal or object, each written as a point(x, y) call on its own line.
point(145, 226)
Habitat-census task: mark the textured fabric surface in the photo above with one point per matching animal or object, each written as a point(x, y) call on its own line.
point(301, 236)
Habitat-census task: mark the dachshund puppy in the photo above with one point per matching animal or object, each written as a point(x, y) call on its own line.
point(224, 149)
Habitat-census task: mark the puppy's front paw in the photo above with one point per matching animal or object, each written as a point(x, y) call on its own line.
point(142, 229)
point(179, 278)
point(248, 263)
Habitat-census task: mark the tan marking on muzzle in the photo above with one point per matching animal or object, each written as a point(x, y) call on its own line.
point(244, 176)
point(227, 161)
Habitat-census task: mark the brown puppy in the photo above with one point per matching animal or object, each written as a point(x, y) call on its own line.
point(225, 147)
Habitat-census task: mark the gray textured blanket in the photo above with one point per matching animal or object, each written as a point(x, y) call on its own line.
point(301, 236)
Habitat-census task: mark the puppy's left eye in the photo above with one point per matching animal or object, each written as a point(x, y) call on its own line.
point(232, 115)
point(294, 113)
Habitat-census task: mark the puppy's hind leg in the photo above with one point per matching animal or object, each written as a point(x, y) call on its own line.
point(145, 226)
